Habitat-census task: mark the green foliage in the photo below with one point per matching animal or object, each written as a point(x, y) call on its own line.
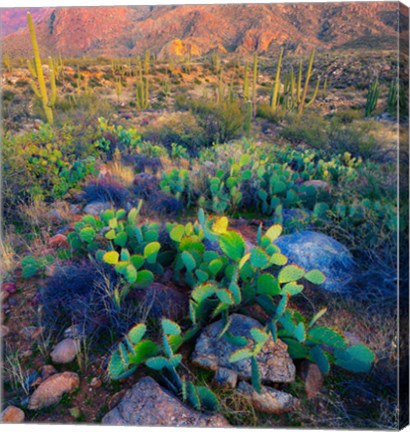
point(372, 98)
point(33, 266)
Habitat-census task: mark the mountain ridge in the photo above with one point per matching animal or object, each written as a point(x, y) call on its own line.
point(122, 31)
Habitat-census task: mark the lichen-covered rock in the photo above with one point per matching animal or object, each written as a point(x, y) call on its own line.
point(313, 250)
point(148, 404)
point(226, 378)
point(50, 391)
point(270, 400)
point(212, 352)
point(65, 351)
point(12, 414)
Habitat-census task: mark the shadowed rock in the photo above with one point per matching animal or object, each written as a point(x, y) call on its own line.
point(313, 250)
point(148, 404)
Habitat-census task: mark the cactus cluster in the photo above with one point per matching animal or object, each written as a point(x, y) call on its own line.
point(293, 94)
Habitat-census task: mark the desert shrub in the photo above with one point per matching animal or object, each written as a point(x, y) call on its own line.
point(144, 163)
point(179, 128)
point(81, 294)
point(41, 165)
point(355, 139)
point(105, 190)
point(309, 128)
point(346, 116)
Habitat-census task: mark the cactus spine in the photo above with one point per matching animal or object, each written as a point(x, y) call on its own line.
point(372, 98)
point(276, 88)
point(41, 91)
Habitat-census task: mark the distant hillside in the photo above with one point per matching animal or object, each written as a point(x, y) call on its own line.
point(174, 30)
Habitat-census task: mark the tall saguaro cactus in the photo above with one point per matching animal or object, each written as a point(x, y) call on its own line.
point(41, 91)
point(306, 86)
point(276, 88)
point(255, 81)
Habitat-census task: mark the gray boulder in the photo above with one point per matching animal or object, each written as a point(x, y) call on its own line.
point(212, 352)
point(148, 404)
point(314, 250)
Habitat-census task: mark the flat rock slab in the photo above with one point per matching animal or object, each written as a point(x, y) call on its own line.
point(213, 353)
point(314, 250)
point(148, 404)
point(50, 391)
point(65, 351)
point(270, 400)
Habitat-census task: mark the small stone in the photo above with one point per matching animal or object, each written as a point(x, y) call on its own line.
point(65, 351)
point(12, 414)
point(226, 378)
point(75, 331)
point(52, 390)
point(31, 332)
point(4, 331)
point(59, 240)
point(313, 378)
point(75, 412)
point(96, 207)
point(317, 184)
point(270, 400)
point(47, 371)
point(9, 287)
point(96, 382)
point(26, 354)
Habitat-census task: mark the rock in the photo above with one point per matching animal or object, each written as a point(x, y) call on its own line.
point(312, 377)
point(226, 378)
point(313, 250)
point(96, 382)
point(318, 184)
point(270, 400)
point(9, 287)
point(59, 240)
point(46, 371)
point(148, 404)
point(162, 301)
point(65, 351)
point(4, 331)
point(31, 332)
point(52, 390)
point(96, 207)
point(212, 352)
point(75, 331)
point(12, 414)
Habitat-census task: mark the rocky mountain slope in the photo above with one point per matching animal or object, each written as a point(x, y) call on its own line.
point(174, 30)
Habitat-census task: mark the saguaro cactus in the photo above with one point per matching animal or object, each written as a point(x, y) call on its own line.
point(306, 86)
point(255, 81)
point(41, 91)
point(246, 82)
point(276, 87)
point(142, 91)
point(372, 98)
